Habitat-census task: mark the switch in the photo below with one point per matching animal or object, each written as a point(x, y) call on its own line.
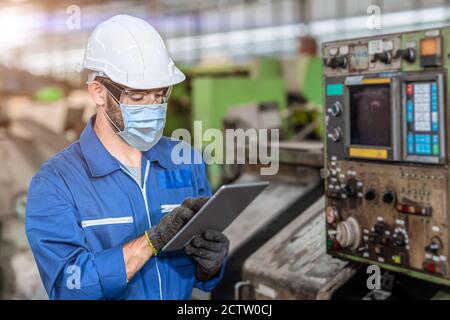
point(379, 228)
point(434, 246)
point(385, 57)
point(335, 135)
point(337, 62)
point(336, 109)
point(408, 54)
point(350, 188)
point(399, 239)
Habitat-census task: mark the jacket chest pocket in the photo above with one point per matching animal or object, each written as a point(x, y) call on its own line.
point(106, 228)
point(174, 187)
point(171, 198)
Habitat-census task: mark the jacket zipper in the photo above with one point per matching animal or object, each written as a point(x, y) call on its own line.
point(144, 196)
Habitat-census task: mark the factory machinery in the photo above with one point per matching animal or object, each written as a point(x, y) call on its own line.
point(386, 173)
point(387, 152)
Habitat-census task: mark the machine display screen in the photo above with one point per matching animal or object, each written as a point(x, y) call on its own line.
point(370, 115)
point(422, 119)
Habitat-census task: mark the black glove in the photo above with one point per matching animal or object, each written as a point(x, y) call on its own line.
point(209, 251)
point(172, 222)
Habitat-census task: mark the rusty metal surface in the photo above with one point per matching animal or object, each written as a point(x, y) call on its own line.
point(412, 185)
point(294, 264)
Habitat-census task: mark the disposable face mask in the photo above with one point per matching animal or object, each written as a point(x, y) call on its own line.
point(143, 124)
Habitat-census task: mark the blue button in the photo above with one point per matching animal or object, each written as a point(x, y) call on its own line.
point(423, 149)
point(410, 106)
point(410, 117)
point(423, 139)
point(419, 148)
point(435, 127)
point(435, 139)
point(433, 87)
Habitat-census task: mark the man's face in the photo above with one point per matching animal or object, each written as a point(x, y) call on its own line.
point(127, 96)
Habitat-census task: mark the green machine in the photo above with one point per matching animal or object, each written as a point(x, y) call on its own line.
point(212, 97)
point(210, 92)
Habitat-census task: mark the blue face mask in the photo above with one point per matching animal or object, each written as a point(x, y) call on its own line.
point(143, 124)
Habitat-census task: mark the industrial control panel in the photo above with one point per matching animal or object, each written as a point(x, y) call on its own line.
point(387, 151)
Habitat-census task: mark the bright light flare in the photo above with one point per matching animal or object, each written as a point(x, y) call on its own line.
point(13, 26)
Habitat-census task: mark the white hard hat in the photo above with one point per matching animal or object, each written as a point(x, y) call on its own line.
point(130, 52)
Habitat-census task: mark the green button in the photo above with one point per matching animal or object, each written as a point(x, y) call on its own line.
point(435, 149)
point(329, 243)
point(335, 89)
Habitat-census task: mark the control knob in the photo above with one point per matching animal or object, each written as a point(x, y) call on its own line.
point(348, 233)
point(434, 246)
point(408, 54)
point(337, 62)
point(371, 194)
point(399, 239)
point(385, 57)
point(388, 196)
point(335, 134)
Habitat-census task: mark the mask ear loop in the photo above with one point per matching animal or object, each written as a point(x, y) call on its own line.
point(106, 114)
point(167, 95)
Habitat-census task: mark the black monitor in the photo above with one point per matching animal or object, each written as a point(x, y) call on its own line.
point(370, 115)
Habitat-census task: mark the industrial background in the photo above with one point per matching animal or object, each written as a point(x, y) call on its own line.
point(268, 54)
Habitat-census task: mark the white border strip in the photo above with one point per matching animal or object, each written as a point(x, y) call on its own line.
point(100, 222)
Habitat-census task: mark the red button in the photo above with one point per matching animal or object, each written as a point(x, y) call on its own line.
point(431, 267)
point(335, 244)
point(409, 89)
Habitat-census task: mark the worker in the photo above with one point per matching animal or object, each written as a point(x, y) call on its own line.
point(100, 211)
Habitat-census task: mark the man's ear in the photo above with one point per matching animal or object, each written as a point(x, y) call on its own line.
point(98, 93)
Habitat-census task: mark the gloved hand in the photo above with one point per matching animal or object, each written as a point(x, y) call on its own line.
point(209, 251)
point(172, 222)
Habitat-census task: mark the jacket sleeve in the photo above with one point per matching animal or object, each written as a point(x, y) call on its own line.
point(68, 268)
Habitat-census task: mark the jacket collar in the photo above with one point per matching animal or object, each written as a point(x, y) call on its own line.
point(101, 162)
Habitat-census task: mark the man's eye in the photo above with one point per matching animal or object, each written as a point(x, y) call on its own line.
point(137, 97)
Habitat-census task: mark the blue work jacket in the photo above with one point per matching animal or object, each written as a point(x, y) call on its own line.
point(83, 206)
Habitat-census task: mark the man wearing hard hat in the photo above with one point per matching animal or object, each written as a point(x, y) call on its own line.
point(99, 212)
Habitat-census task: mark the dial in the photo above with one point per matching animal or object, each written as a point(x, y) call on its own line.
point(336, 109)
point(388, 196)
point(348, 233)
point(335, 134)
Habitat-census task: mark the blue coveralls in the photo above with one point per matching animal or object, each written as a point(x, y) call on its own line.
point(83, 206)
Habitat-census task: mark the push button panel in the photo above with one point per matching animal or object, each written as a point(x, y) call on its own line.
point(389, 214)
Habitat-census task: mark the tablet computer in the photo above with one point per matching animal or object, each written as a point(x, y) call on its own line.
point(218, 212)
